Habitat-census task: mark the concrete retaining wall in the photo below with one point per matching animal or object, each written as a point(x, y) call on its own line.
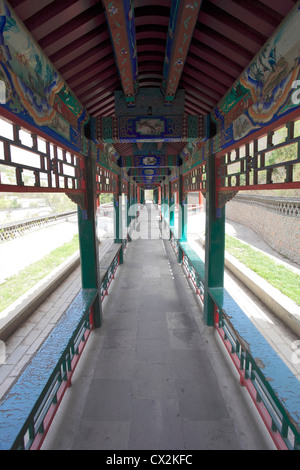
point(281, 305)
point(277, 221)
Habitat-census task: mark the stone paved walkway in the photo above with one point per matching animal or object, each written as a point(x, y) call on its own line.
point(153, 376)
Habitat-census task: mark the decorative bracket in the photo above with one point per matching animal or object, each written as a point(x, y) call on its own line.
point(224, 197)
point(79, 199)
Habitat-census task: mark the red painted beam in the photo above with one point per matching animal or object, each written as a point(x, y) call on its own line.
point(153, 45)
point(192, 112)
point(82, 61)
point(101, 99)
point(149, 83)
point(194, 106)
point(283, 8)
point(81, 45)
point(194, 86)
point(211, 70)
point(101, 87)
point(147, 14)
point(222, 44)
point(101, 106)
point(213, 57)
point(250, 14)
point(109, 111)
point(71, 30)
point(92, 71)
point(195, 97)
point(157, 57)
point(95, 81)
point(26, 8)
point(204, 78)
point(55, 15)
point(151, 32)
point(150, 76)
point(145, 66)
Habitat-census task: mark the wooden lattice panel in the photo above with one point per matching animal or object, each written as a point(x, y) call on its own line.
point(195, 180)
point(106, 181)
point(29, 163)
point(269, 162)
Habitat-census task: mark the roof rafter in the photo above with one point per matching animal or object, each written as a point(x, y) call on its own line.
point(120, 20)
point(183, 18)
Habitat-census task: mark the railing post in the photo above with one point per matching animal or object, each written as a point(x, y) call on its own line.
point(214, 240)
point(88, 241)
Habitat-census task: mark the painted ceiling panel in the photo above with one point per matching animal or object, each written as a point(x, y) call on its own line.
point(227, 34)
point(74, 35)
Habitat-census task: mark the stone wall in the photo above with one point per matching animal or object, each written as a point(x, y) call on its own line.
point(276, 220)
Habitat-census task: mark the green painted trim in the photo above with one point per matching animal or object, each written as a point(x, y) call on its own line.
point(88, 242)
point(118, 213)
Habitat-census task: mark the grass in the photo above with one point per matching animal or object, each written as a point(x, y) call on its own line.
point(21, 282)
point(279, 276)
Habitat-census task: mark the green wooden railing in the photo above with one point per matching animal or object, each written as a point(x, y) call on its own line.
point(27, 410)
point(272, 386)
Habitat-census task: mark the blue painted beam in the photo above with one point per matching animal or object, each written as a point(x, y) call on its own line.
point(164, 128)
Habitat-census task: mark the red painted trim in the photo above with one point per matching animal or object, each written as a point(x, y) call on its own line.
point(9, 188)
point(292, 185)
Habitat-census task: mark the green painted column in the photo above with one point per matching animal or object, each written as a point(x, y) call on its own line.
point(171, 208)
point(134, 203)
point(182, 216)
point(118, 228)
point(167, 205)
point(214, 240)
point(88, 242)
point(155, 196)
point(162, 207)
point(135, 199)
point(128, 207)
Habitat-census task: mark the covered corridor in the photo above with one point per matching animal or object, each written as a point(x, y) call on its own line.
point(154, 376)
